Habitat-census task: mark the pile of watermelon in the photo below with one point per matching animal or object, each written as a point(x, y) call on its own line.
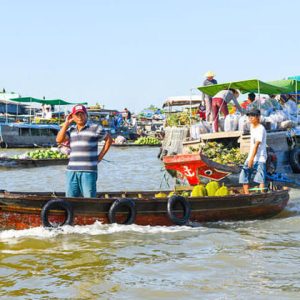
point(42, 154)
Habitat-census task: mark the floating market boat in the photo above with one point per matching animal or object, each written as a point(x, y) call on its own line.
point(8, 162)
point(22, 135)
point(25, 210)
point(36, 158)
point(20, 210)
point(28, 134)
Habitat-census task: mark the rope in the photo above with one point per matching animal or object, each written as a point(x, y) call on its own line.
point(164, 177)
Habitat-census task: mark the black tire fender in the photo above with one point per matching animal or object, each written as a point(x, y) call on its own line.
point(57, 204)
point(295, 160)
point(172, 201)
point(117, 205)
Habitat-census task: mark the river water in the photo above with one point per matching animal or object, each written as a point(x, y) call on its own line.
point(224, 260)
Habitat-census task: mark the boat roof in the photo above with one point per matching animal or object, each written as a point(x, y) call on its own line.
point(45, 101)
point(183, 100)
point(245, 86)
point(34, 126)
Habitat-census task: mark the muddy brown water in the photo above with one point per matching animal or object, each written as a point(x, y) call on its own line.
point(225, 260)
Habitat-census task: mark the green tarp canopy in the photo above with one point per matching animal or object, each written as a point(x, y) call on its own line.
point(290, 85)
point(44, 101)
point(245, 86)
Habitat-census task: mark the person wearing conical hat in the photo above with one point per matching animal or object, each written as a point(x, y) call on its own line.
point(208, 100)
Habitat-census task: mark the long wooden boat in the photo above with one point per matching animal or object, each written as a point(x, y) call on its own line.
point(8, 162)
point(24, 135)
point(25, 210)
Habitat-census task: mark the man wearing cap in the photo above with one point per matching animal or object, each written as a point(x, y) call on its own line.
point(81, 177)
point(208, 108)
point(257, 157)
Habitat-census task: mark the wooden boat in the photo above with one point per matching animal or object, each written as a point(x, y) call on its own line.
point(25, 210)
point(8, 162)
point(24, 135)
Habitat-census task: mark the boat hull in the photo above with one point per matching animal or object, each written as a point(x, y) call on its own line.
point(23, 210)
point(8, 162)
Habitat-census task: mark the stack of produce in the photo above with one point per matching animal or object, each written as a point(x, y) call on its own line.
point(176, 119)
point(219, 153)
point(147, 141)
point(210, 189)
point(42, 154)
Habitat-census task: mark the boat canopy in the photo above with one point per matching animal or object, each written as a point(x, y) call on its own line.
point(44, 101)
point(291, 85)
point(245, 86)
point(183, 100)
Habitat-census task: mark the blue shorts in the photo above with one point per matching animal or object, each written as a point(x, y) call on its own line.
point(258, 170)
point(81, 184)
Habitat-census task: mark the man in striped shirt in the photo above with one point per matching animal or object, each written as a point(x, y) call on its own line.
point(82, 169)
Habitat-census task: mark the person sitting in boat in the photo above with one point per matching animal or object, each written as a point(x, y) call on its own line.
point(219, 104)
point(81, 177)
point(257, 157)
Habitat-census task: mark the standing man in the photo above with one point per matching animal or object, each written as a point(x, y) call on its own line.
point(257, 157)
point(208, 106)
point(82, 171)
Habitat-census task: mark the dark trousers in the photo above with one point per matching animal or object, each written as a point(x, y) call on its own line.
point(218, 104)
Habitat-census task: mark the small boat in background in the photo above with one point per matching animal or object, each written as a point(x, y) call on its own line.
point(9, 162)
point(25, 135)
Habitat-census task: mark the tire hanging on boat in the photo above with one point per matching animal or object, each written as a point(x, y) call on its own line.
point(172, 201)
point(58, 204)
point(295, 160)
point(117, 206)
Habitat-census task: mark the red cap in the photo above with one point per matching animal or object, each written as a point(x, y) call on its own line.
point(78, 108)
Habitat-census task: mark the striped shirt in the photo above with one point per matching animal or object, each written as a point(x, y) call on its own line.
point(84, 147)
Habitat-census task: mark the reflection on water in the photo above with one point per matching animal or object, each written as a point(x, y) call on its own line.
point(225, 260)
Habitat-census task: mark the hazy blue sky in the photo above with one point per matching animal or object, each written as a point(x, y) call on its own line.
point(133, 53)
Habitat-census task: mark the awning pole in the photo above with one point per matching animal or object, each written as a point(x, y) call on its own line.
point(191, 107)
point(30, 111)
point(258, 90)
point(296, 92)
point(6, 119)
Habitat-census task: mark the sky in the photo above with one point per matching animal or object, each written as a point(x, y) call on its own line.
point(134, 53)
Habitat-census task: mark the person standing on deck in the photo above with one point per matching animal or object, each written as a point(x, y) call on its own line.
point(82, 171)
point(257, 157)
point(219, 104)
point(208, 99)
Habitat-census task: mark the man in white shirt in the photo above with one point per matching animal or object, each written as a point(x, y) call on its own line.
point(257, 157)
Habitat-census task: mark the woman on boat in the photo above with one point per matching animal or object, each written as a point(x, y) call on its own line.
point(219, 104)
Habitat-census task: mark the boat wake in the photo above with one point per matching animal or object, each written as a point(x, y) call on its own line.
point(95, 229)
